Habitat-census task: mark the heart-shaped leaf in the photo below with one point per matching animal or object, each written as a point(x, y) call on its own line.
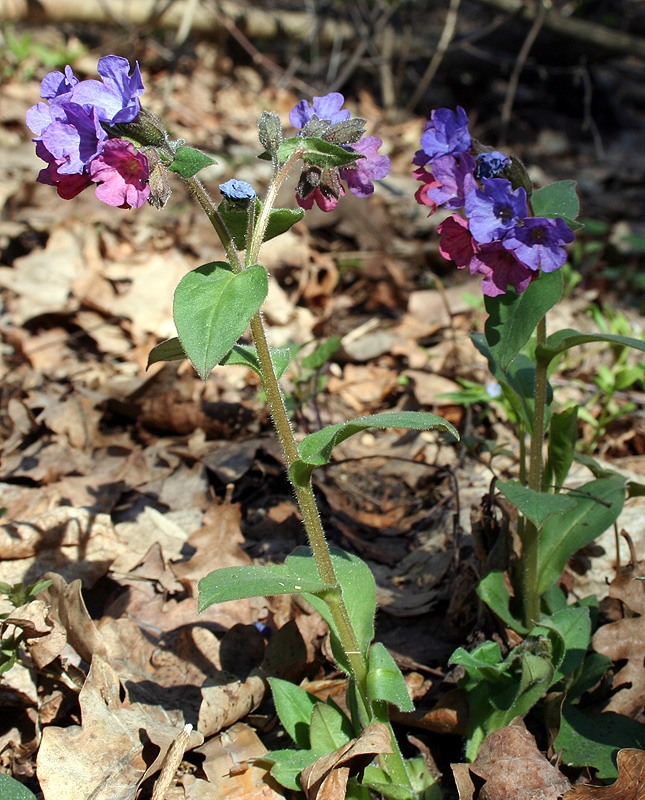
point(212, 307)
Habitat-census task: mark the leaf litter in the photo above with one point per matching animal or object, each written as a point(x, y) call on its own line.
point(120, 485)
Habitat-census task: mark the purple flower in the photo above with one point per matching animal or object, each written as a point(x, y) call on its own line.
point(116, 98)
point(237, 190)
point(122, 175)
point(55, 84)
point(373, 167)
point(446, 134)
point(495, 210)
point(73, 138)
point(491, 164)
point(456, 179)
point(538, 243)
point(328, 108)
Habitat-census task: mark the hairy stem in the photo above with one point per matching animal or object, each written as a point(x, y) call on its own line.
point(529, 563)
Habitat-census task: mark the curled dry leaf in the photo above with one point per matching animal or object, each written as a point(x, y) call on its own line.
point(326, 779)
point(624, 640)
point(514, 769)
point(105, 758)
point(630, 784)
point(45, 637)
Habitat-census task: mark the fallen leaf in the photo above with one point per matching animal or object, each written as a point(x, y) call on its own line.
point(106, 757)
point(45, 637)
point(514, 769)
point(326, 778)
point(630, 784)
point(624, 640)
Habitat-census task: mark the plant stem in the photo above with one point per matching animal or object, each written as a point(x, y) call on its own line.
point(529, 568)
point(393, 763)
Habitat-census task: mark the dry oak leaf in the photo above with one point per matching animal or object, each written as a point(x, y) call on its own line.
point(105, 758)
point(630, 784)
point(514, 769)
point(624, 640)
point(326, 779)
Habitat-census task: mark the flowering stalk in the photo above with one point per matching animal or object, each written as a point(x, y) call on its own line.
point(530, 537)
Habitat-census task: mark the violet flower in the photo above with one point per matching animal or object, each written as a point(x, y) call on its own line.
point(538, 243)
point(328, 107)
point(495, 209)
point(373, 167)
point(446, 134)
point(456, 179)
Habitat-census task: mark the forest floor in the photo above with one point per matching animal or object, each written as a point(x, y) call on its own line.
point(134, 483)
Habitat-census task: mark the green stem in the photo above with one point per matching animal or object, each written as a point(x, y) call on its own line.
point(394, 762)
point(529, 563)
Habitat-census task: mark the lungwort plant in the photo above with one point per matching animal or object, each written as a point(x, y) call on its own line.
point(96, 133)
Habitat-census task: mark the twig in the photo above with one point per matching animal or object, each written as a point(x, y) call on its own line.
point(511, 91)
point(435, 62)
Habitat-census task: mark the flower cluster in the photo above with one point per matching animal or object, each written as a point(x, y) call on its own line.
point(71, 134)
point(497, 239)
point(328, 120)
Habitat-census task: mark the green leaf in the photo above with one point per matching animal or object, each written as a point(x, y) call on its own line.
point(563, 340)
point(237, 583)
point(563, 435)
point(212, 308)
point(574, 627)
point(247, 356)
point(385, 680)
point(556, 200)
point(10, 789)
point(170, 350)
point(294, 706)
point(330, 728)
point(356, 582)
point(236, 220)
point(589, 676)
point(423, 784)
point(286, 765)
point(592, 740)
point(322, 353)
point(317, 151)
point(281, 219)
point(597, 506)
point(316, 449)
point(513, 317)
point(536, 506)
point(189, 161)
point(492, 590)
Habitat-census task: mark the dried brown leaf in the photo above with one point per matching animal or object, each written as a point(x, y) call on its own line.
point(514, 769)
point(326, 778)
point(630, 784)
point(45, 636)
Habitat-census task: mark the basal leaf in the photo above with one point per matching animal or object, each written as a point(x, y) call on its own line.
point(556, 200)
point(294, 706)
point(237, 583)
point(316, 449)
point(170, 350)
point(330, 728)
point(513, 317)
point(592, 740)
point(563, 434)
point(492, 590)
point(286, 765)
point(536, 506)
point(212, 307)
point(10, 789)
point(574, 627)
point(597, 505)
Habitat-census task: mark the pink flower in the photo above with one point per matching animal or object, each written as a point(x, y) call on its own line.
point(122, 175)
point(324, 202)
point(490, 260)
point(429, 183)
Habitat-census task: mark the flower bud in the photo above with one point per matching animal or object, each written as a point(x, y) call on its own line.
point(160, 189)
point(145, 129)
point(270, 131)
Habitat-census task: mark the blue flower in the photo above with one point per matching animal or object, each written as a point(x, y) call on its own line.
point(495, 210)
point(489, 165)
point(328, 108)
point(538, 243)
point(237, 190)
point(493, 390)
point(446, 134)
